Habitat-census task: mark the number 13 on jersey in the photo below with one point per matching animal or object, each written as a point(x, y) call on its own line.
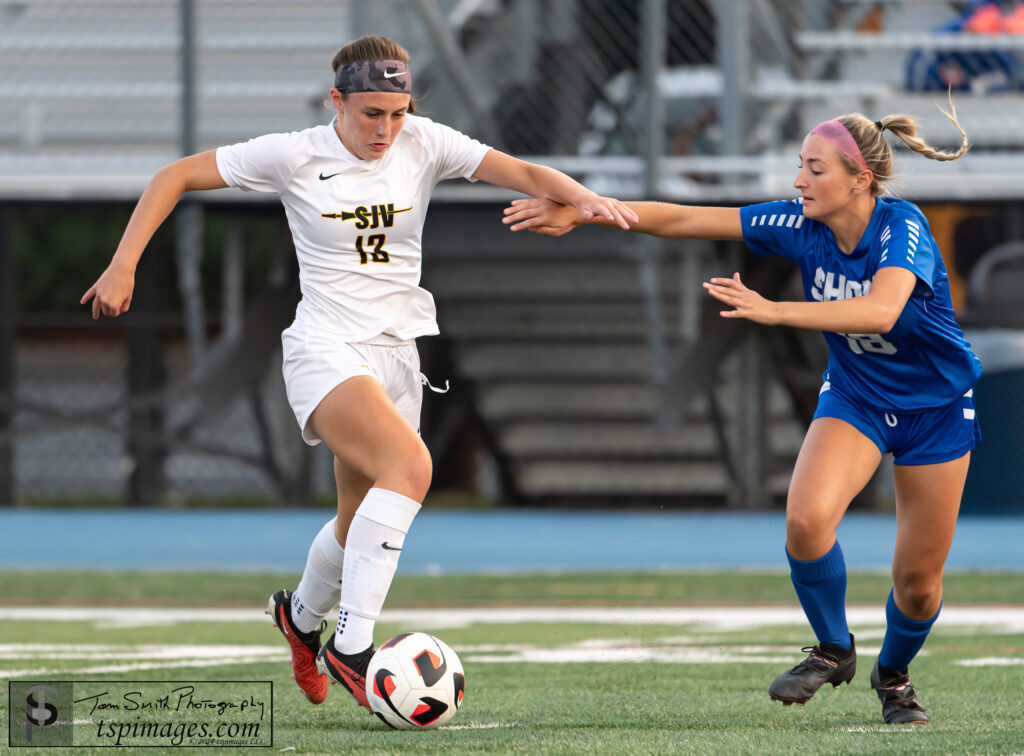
point(373, 249)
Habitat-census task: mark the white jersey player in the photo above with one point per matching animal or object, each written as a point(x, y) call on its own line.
point(355, 193)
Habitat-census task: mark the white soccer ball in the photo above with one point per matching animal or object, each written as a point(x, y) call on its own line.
point(415, 682)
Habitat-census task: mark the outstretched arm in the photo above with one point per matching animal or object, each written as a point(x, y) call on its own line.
point(540, 181)
point(875, 312)
point(112, 292)
point(655, 218)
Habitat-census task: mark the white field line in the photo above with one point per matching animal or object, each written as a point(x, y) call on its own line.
point(129, 658)
point(993, 619)
point(1001, 619)
point(135, 658)
point(121, 617)
point(98, 652)
point(166, 664)
point(633, 654)
point(992, 661)
point(478, 726)
point(588, 651)
point(617, 650)
point(710, 618)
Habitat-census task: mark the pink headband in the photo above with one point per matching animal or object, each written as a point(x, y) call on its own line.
point(835, 133)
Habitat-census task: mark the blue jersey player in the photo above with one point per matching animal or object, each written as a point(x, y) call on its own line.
point(900, 379)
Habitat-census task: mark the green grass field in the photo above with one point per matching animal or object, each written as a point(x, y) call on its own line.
point(592, 663)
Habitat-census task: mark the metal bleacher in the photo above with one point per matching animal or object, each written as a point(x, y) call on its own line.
point(91, 106)
point(562, 342)
point(909, 34)
point(90, 96)
point(553, 337)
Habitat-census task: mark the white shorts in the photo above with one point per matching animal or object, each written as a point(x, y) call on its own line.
point(316, 362)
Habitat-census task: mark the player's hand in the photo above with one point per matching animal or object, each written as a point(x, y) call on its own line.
point(541, 216)
point(591, 206)
point(747, 302)
point(111, 295)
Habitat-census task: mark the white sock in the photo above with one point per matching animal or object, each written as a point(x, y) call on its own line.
point(374, 544)
point(320, 588)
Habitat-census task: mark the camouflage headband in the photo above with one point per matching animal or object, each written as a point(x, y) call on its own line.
point(373, 76)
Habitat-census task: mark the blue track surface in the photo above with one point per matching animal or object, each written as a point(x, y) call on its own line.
point(465, 542)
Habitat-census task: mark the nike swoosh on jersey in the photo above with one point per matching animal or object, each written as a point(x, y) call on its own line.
point(389, 547)
point(324, 178)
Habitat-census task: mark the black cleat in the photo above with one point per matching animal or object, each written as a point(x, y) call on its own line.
point(900, 704)
point(827, 663)
point(347, 670)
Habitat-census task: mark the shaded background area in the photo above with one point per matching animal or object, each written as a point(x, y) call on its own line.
point(587, 371)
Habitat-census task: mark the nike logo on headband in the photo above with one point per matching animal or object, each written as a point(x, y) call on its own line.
point(393, 75)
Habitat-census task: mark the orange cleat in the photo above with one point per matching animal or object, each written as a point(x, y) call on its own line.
point(304, 647)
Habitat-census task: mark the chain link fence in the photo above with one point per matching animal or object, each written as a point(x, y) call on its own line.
point(695, 99)
point(713, 95)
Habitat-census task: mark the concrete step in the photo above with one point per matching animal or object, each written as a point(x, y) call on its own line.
point(694, 439)
point(557, 401)
point(613, 401)
point(134, 27)
point(594, 361)
point(143, 121)
point(531, 321)
point(632, 479)
point(494, 280)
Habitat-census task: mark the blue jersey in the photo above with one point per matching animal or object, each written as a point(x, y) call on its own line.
point(924, 361)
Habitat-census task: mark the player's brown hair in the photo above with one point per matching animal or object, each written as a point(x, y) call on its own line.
point(869, 136)
point(371, 47)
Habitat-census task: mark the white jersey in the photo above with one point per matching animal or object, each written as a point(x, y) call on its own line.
point(357, 224)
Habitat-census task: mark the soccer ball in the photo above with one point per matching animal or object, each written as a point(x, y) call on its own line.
point(415, 682)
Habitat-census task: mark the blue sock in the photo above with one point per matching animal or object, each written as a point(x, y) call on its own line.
point(821, 587)
point(903, 636)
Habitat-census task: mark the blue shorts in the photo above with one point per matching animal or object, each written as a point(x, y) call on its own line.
point(925, 437)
